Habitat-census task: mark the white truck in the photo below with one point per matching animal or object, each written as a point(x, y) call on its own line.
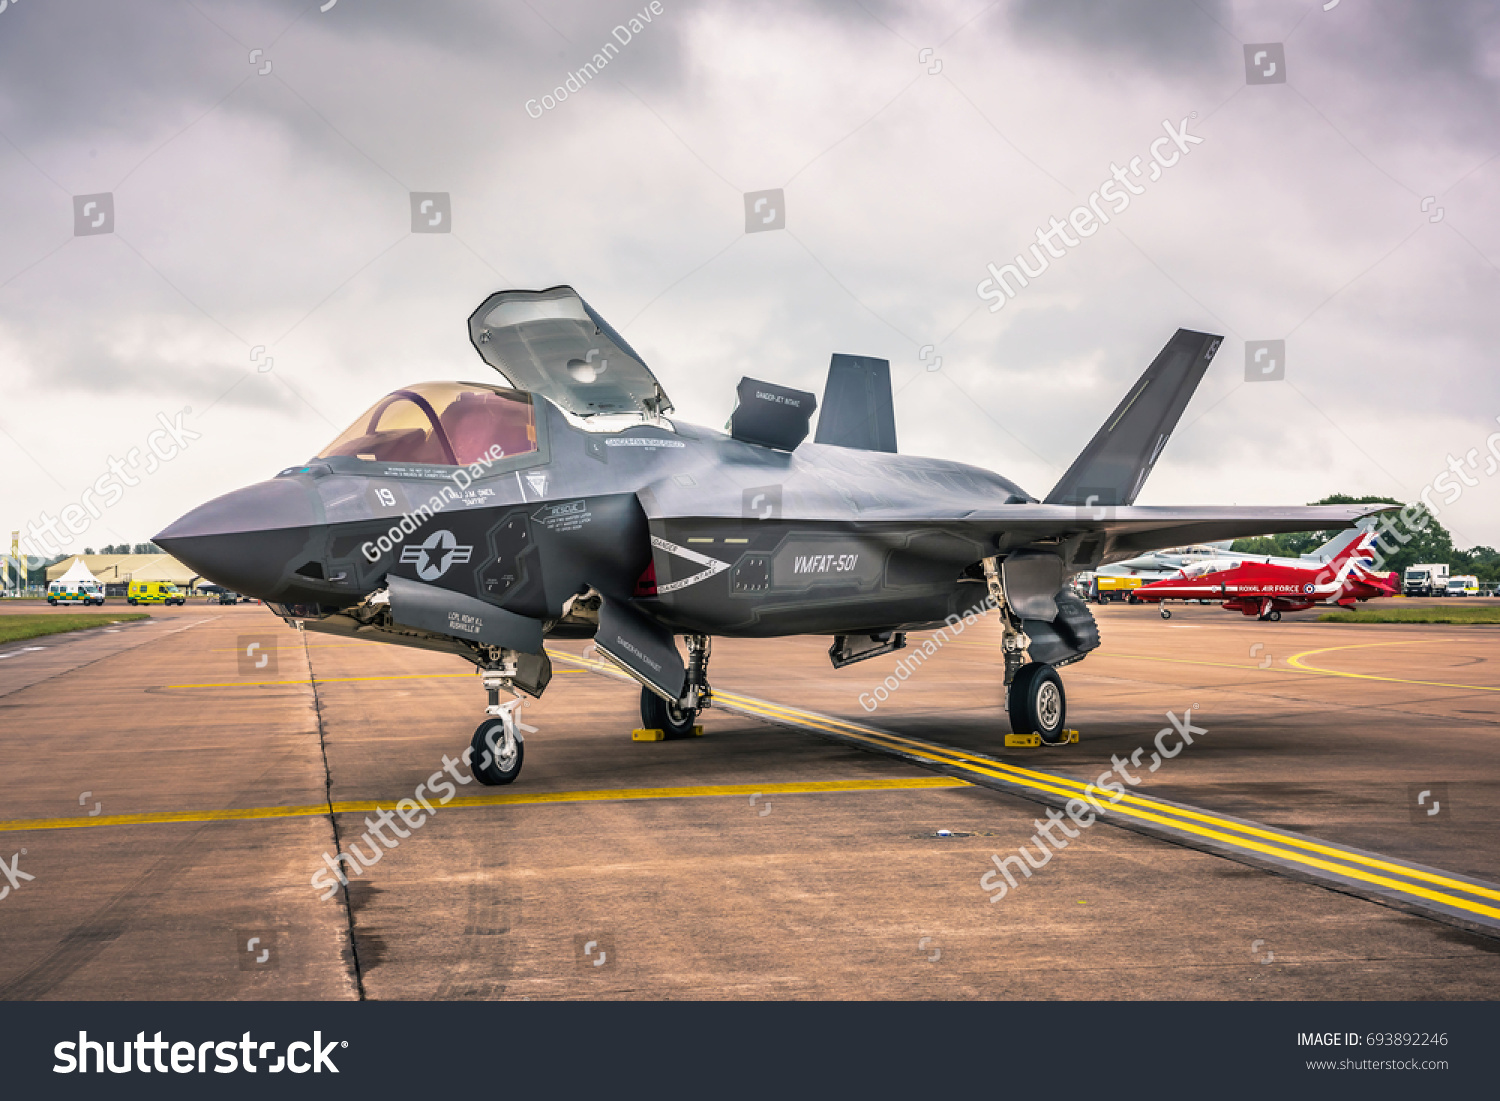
point(1426, 579)
point(1463, 585)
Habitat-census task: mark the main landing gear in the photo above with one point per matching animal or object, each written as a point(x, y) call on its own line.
point(1037, 704)
point(498, 748)
point(677, 719)
point(1034, 698)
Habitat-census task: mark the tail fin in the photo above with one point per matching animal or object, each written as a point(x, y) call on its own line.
point(1335, 546)
point(858, 410)
point(1114, 466)
point(1360, 549)
point(1356, 559)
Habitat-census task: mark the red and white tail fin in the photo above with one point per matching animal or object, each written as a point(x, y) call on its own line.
point(1362, 551)
point(1359, 555)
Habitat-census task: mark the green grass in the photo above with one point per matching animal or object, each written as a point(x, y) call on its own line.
point(1488, 612)
point(13, 628)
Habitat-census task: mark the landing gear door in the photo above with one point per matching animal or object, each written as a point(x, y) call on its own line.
point(429, 608)
point(1032, 580)
point(642, 648)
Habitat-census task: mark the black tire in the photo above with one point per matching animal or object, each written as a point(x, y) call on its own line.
point(482, 762)
point(1274, 616)
point(1165, 612)
point(658, 714)
point(1037, 703)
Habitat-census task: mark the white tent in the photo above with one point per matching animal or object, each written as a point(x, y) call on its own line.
point(79, 574)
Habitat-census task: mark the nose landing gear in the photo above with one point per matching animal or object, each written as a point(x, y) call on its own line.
point(498, 747)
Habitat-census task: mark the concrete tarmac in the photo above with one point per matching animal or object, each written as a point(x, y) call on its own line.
point(171, 792)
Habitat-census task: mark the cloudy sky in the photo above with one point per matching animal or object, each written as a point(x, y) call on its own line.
point(261, 269)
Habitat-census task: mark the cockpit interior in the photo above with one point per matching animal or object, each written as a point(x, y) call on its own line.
point(440, 424)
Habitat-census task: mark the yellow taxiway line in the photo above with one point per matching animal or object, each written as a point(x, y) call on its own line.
point(506, 799)
point(1236, 835)
point(1297, 663)
point(339, 680)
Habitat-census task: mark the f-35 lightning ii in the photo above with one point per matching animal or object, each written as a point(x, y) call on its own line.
point(480, 519)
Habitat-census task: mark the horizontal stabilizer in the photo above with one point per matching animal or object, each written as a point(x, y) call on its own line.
point(1114, 466)
point(858, 409)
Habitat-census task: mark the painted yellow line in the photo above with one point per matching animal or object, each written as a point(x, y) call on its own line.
point(1189, 661)
point(340, 680)
point(293, 644)
point(1297, 663)
point(1068, 787)
point(1132, 806)
point(708, 791)
point(1053, 783)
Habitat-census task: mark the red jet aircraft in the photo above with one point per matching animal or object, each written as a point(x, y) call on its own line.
point(1266, 590)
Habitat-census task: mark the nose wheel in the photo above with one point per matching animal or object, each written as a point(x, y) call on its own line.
point(1165, 614)
point(497, 750)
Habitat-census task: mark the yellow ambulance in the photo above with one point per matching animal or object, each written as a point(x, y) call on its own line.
point(154, 592)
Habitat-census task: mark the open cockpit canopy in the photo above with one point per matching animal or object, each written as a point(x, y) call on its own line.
point(552, 343)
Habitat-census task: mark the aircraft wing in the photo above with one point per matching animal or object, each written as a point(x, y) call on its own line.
point(552, 343)
point(1129, 530)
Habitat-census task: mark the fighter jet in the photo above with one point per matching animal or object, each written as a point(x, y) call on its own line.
point(1266, 589)
point(1165, 563)
point(562, 501)
point(1171, 561)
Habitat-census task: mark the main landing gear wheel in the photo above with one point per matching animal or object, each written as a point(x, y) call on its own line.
point(1165, 614)
point(670, 719)
point(1273, 615)
point(497, 751)
point(1037, 703)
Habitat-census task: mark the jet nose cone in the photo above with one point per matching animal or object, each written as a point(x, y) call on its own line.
point(247, 539)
